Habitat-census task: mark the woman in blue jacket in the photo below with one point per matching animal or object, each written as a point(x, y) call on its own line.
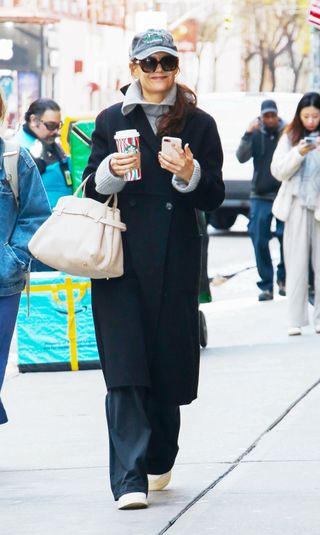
point(19, 219)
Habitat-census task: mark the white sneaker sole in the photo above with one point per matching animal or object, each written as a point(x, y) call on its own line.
point(133, 500)
point(294, 331)
point(159, 482)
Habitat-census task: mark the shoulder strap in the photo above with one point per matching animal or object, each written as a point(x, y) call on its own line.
point(10, 161)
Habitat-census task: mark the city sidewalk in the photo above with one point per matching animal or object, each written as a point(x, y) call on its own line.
point(249, 460)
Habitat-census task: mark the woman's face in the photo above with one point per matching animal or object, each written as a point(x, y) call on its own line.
point(310, 118)
point(155, 85)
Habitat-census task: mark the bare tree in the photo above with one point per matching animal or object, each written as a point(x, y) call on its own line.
point(271, 32)
point(298, 51)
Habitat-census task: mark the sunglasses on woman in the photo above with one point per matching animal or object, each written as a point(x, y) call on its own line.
point(150, 64)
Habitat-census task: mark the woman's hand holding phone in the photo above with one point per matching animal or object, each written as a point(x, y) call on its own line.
point(175, 159)
point(305, 145)
point(121, 163)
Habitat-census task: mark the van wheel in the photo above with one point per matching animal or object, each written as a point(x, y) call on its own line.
point(203, 329)
point(222, 220)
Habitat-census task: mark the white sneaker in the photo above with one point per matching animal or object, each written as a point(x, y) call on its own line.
point(294, 331)
point(159, 482)
point(133, 500)
point(317, 329)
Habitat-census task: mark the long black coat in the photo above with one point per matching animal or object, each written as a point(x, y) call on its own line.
point(147, 321)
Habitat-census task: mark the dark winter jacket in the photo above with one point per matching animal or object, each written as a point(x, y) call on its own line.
point(147, 321)
point(260, 145)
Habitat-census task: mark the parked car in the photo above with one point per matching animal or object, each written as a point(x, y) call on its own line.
point(233, 112)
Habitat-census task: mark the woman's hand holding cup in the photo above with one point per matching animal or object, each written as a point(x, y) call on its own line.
point(121, 163)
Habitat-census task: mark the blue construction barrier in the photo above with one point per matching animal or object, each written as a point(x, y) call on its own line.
point(59, 333)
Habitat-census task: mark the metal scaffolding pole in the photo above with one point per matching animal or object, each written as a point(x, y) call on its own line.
point(315, 63)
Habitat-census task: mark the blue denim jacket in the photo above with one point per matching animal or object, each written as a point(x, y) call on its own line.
point(18, 224)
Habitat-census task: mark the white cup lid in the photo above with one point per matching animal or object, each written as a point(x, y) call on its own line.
point(126, 133)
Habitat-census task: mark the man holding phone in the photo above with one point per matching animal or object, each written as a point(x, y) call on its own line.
point(259, 142)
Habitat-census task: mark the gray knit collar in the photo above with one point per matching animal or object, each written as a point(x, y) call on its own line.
point(134, 96)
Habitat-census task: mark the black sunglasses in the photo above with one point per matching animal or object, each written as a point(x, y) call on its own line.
point(150, 64)
point(51, 126)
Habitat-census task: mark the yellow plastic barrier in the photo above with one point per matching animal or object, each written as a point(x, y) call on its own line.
point(66, 127)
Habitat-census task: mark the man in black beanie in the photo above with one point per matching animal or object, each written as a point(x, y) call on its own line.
point(259, 142)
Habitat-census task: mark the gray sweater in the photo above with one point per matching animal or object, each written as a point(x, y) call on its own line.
point(106, 181)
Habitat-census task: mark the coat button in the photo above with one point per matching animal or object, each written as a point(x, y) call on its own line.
point(132, 202)
point(169, 206)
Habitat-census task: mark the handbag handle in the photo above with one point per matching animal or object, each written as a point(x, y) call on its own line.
point(82, 187)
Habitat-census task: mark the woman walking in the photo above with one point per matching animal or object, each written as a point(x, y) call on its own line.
point(296, 162)
point(146, 322)
point(19, 219)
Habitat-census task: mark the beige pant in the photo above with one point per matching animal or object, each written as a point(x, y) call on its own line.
point(301, 233)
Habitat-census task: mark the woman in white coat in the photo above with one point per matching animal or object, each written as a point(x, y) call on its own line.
point(296, 163)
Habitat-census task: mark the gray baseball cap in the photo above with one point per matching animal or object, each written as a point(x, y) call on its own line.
point(268, 106)
point(151, 41)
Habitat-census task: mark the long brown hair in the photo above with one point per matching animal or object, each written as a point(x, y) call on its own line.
point(173, 121)
point(295, 130)
point(2, 107)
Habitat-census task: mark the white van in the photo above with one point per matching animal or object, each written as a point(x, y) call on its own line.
point(232, 113)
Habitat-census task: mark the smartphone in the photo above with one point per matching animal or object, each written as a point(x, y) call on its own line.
point(309, 139)
point(167, 148)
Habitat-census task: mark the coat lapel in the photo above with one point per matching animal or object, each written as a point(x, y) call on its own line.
point(139, 121)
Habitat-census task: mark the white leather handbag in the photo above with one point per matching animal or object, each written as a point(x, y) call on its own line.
point(282, 203)
point(82, 237)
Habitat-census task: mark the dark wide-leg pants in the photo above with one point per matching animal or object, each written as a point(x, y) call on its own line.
point(143, 438)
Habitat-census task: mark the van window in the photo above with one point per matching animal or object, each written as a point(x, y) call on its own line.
point(232, 113)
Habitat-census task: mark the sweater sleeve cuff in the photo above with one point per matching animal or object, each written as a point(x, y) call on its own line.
point(186, 187)
point(106, 182)
point(299, 157)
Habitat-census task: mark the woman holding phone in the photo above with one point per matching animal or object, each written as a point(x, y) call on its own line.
point(146, 321)
point(296, 162)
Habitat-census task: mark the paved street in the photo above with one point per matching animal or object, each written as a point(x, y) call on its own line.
point(249, 460)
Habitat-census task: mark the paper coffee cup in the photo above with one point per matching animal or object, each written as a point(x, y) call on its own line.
point(128, 143)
